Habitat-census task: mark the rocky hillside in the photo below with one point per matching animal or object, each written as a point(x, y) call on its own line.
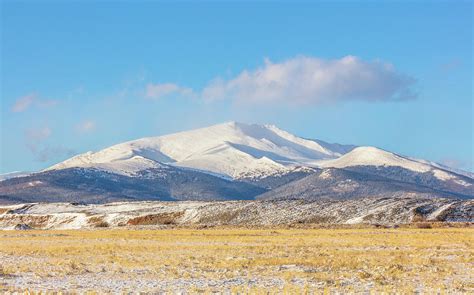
point(387, 211)
point(332, 183)
point(89, 185)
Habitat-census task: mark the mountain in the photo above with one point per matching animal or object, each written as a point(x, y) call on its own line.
point(89, 185)
point(372, 156)
point(340, 184)
point(13, 175)
point(234, 150)
point(375, 161)
point(236, 161)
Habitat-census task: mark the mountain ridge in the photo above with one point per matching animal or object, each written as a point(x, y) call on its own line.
point(236, 161)
point(229, 149)
point(234, 148)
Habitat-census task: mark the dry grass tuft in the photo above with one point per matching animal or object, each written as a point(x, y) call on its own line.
point(425, 225)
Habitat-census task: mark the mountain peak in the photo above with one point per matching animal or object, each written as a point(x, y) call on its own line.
point(231, 148)
point(370, 152)
point(373, 156)
point(202, 164)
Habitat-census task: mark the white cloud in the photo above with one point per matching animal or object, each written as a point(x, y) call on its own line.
point(23, 103)
point(86, 126)
point(308, 80)
point(156, 91)
point(35, 137)
point(36, 142)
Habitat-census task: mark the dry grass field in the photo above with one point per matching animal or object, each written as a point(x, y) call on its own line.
point(249, 261)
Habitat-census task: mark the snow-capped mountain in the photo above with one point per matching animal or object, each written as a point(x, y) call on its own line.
point(236, 161)
point(230, 149)
point(239, 150)
point(372, 156)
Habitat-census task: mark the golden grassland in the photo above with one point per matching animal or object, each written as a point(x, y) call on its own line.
point(350, 260)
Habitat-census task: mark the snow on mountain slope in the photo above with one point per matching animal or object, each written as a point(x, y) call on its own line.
point(367, 155)
point(248, 151)
point(444, 167)
point(14, 174)
point(372, 156)
point(230, 161)
point(231, 149)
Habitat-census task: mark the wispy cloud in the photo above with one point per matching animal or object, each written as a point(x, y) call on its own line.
point(156, 91)
point(305, 80)
point(86, 126)
point(25, 102)
point(451, 65)
point(46, 103)
point(36, 139)
point(49, 153)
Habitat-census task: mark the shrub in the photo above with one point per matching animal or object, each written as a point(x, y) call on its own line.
point(102, 224)
point(423, 225)
point(98, 221)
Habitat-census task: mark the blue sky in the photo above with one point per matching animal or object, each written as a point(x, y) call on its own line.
point(82, 76)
